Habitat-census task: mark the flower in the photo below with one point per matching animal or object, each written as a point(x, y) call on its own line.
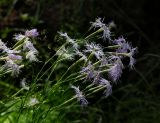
point(19, 37)
point(106, 83)
point(14, 57)
point(119, 41)
point(97, 23)
point(33, 101)
point(89, 71)
point(28, 45)
point(80, 96)
point(31, 55)
point(124, 46)
point(65, 53)
point(79, 53)
point(106, 31)
point(132, 60)
point(96, 78)
point(13, 66)
point(2, 45)
point(95, 49)
point(104, 61)
point(31, 33)
point(68, 39)
point(116, 70)
point(23, 84)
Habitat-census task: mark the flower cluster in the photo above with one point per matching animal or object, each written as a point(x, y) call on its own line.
point(23, 49)
point(101, 68)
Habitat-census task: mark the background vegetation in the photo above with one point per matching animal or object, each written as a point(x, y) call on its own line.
point(135, 98)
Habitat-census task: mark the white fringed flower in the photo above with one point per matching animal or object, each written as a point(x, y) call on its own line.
point(31, 55)
point(15, 68)
point(80, 96)
point(33, 101)
point(115, 71)
point(65, 35)
point(108, 86)
point(106, 31)
point(79, 53)
point(132, 60)
point(69, 40)
point(2, 45)
point(23, 84)
point(31, 33)
point(89, 70)
point(65, 54)
point(96, 49)
point(19, 37)
point(28, 46)
point(14, 57)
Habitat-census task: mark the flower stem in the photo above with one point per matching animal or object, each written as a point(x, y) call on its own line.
point(74, 64)
point(94, 33)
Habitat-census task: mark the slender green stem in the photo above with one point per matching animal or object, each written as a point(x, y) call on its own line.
point(49, 60)
point(122, 54)
point(104, 71)
point(95, 91)
point(17, 92)
point(53, 65)
point(89, 86)
point(88, 59)
point(18, 43)
point(76, 79)
point(18, 47)
point(94, 33)
point(72, 75)
point(94, 88)
point(3, 58)
point(73, 65)
point(113, 47)
point(52, 71)
point(68, 101)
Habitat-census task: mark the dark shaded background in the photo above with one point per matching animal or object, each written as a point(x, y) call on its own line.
point(135, 98)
